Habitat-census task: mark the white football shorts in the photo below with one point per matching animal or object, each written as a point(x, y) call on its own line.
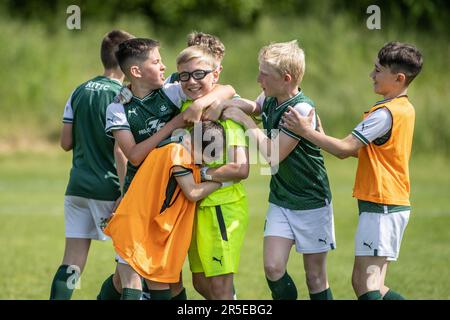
point(84, 217)
point(312, 230)
point(380, 234)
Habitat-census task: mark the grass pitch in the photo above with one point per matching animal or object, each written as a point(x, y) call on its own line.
point(32, 187)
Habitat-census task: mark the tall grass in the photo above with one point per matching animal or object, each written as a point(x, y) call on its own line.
point(43, 66)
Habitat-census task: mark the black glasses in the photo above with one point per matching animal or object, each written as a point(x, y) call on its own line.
point(196, 74)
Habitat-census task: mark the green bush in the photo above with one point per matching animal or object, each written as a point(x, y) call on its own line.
point(43, 66)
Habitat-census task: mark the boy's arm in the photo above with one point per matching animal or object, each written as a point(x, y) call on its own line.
point(121, 164)
point(341, 148)
point(192, 190)
point(274, 151)
point(66, 140)
point(232, 171)
point(136, 153)
point(66, 137)
point(220, 92)
point(248, 106)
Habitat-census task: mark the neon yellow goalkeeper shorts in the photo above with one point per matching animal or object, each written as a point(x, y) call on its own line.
point(217, 238)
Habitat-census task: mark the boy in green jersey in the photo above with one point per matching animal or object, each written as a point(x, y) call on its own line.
point(300, 210)
point(93, 186)
point(141, 122)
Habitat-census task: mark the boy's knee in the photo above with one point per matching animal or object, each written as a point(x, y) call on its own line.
point(219, 289)
point(274, 271)
point(316, 281)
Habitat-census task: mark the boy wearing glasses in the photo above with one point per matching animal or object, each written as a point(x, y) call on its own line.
point(222, 217)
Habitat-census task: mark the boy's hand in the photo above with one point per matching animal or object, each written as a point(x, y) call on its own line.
point(124, 96)
point(116, 204)
point(319, 126)
point(178, 122)
point(213, 112)
point(234, 114)
point(293, 121)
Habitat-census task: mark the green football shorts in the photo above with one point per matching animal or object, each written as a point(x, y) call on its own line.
point(217, 238)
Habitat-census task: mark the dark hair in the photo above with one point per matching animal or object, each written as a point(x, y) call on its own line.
point(212, 129)
point(110, 45)
point(136, 49)
point(209, 41)
point(401, 57)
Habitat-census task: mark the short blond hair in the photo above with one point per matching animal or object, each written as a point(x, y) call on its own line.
point(197, 52)
point(285, 57)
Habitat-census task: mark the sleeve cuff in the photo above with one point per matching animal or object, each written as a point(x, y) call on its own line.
point(291, 134)
point(360, 137)
point(182, 173)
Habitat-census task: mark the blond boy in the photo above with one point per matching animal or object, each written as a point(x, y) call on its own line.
point(300, 210)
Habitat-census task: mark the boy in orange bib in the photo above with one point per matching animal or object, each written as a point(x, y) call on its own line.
point(152, 227)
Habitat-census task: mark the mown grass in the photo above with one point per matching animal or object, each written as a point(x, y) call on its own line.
point(32, 187)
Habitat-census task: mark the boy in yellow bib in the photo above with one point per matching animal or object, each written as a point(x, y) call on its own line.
point(222, 217)
point(382, 142)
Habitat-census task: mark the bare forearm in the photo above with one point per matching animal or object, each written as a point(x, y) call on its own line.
point(121, 164)
point(220, 92)
point(66, 137)
point(202, 190)
point(336, 147)
point(247, 106)
point(229, 172)
point(139, 152)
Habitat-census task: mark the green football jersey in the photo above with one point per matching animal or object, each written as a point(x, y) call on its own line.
point(301, 182)
point(144, 117)
point(93, 174)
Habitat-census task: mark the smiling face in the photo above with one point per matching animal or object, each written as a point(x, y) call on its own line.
point(151, 70)
point(384, 81)
point(195, 89)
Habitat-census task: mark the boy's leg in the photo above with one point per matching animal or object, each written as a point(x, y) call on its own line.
point(177, 289)
point(75, 256)
point(130, 281)
point(367, 276)
point(221, 287)
point(316, 276)
point(111, 288)
point(158, 290)
point(276, 255)
point(377, 241)
point(387, 293)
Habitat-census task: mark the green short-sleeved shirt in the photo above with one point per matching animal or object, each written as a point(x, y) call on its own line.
point(301, 182)
point(93, 174)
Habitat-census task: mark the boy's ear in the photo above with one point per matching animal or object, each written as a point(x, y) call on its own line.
point(401, 77)
point(287, 77)
point(135, 71)
point(216, 74)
